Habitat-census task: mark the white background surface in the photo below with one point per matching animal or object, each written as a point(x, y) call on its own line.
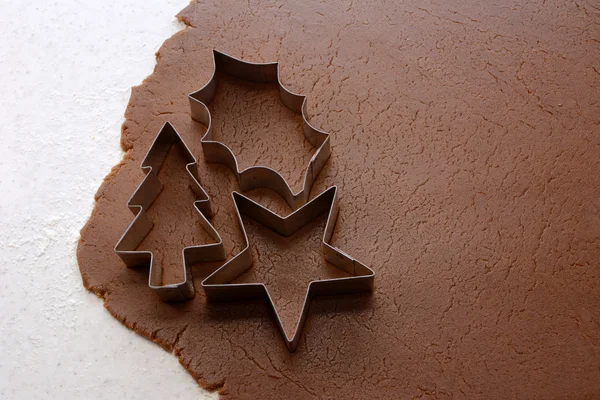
point(66, 69)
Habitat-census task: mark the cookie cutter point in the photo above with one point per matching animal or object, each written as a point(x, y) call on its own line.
point(218, 286)
point(258, 176)
point(144, 196)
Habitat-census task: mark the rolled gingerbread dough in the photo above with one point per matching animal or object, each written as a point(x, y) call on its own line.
point(466, 148)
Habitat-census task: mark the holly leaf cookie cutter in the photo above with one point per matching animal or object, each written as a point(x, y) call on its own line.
point(146, 193)
point(258, 176)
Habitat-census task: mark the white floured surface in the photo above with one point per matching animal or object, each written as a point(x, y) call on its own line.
point(66, 69)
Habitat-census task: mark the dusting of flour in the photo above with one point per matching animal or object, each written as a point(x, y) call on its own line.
point(66, 73)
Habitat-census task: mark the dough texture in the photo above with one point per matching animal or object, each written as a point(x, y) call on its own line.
point(466, 148)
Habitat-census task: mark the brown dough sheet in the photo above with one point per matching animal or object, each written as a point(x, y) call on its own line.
point(466, 148)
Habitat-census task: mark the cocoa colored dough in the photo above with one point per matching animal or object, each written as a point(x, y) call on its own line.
point(466, 147)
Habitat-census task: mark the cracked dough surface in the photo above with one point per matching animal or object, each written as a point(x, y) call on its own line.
point(466, 147)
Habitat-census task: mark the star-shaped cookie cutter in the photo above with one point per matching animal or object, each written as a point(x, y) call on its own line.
point(146, 193)
point(258, 176)
point(218, 286)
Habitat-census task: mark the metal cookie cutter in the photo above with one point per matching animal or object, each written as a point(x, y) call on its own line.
point(146, 193)
point(258, 176)
point(218, 286)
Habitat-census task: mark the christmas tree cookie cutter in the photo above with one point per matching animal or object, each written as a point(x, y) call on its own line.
point(258, 176)
point(218, 286)
point(146, 193)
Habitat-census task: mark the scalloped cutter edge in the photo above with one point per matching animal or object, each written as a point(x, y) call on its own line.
point(258, 176)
